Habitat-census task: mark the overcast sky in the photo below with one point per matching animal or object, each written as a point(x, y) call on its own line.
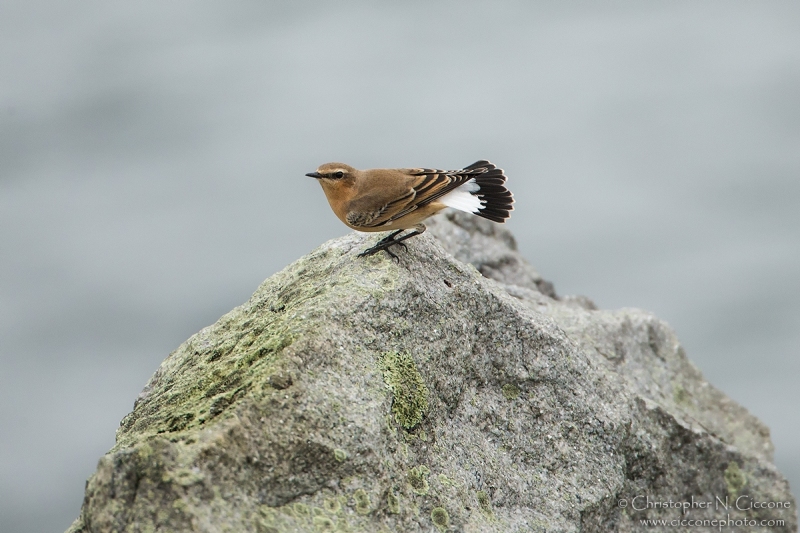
point(152, 161)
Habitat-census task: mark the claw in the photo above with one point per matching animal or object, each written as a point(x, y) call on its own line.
point(367, 252)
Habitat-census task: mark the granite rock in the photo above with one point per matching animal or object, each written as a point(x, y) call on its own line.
point(448, 390)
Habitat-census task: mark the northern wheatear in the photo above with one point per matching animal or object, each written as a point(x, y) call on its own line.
point(384, 199)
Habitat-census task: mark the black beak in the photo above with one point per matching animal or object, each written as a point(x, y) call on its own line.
point(314, 175)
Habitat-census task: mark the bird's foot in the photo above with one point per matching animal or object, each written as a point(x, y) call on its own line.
point(384, 244)
point(391, 240)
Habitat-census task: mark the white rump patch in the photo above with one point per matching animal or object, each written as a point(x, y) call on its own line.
point(463, 198)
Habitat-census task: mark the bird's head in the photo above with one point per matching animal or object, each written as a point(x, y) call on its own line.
point(333, 172)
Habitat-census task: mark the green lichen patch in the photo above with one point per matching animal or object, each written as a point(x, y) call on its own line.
point(362, 502)
point(301, 510)
point(332, 505)
point(393, 502)
point(206, 376)
point(340, 455)
point(418, 479)
point(734, 479)
point(272, 345)
point(446, 481)
point(680, 395)
point(408, 388)
point(510, 391)
point(485, 504)
point(440, 518)
point(323, 523)
point(263, 527)
point(317, 513)
point(179, 422)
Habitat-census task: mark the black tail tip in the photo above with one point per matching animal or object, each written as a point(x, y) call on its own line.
point(497, 214)
point(498, 200)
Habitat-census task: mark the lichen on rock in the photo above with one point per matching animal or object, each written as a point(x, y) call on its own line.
point(418, 479)
point(440, 518)
point(735, 479)
point(410, 395)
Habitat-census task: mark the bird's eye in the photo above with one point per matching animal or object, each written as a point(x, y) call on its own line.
point(338, 175)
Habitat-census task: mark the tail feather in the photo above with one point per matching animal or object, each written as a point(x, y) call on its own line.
point(481, 164)
point(497, 201)
point(485, 194)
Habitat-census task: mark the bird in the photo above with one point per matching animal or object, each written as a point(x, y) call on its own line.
point(399, 199)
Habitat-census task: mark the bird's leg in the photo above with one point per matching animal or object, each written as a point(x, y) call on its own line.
point(419, 229)
point(391, 240)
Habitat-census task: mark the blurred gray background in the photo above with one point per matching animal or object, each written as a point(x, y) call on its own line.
point(152, 161)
